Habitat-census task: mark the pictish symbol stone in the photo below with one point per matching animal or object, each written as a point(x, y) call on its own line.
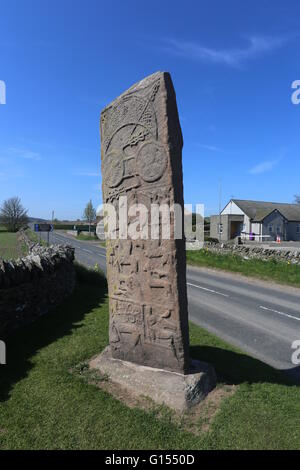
point(151, 161)
point(141, 146)
point(114, 168)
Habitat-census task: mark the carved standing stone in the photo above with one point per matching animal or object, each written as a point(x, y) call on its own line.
point(141, 144)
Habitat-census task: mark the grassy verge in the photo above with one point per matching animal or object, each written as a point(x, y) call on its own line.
point(10, 247)
point(34, 237)
point(86, 238)
point(43, 406)
point(270, 270)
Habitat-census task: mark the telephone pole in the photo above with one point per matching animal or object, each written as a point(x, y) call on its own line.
point(220, 209)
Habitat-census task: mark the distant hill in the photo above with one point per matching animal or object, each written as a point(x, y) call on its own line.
point(36, 219)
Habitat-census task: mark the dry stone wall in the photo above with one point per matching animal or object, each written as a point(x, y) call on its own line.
point(262, 253)
point(30, 286)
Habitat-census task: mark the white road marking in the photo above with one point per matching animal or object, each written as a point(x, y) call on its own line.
point(279, 313)
point(78, 246)
point(208, 290)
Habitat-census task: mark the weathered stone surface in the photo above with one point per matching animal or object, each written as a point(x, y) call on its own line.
point(141, 144)
point(178, 391)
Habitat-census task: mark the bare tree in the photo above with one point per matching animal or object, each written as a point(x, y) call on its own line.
point(13, 215)
point(89, 214)
point(297, 198)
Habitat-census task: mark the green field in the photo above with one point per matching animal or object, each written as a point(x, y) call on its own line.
point(86, 238)
point(10, 247)
point(272, 270)
point(44, 406)
point(92, 238)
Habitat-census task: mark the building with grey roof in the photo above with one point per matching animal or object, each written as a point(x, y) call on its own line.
point(256, 220)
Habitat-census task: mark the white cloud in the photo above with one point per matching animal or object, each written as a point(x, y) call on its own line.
point(212, 148)
point(256, 46)
point(263, 167)
point(24, 153)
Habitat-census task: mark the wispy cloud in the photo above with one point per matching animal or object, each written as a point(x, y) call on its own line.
point(263, 167)
point(255, 47)
point(212, 148)
point(87, 173)
point(24, 153)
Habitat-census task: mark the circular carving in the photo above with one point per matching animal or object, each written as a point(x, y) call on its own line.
point(113, 168)
point(130, 121)
point(151, 161)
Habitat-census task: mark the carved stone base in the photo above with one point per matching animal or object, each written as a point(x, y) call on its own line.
point(175, 390)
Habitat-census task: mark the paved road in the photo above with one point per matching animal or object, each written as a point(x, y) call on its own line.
point(260, 318)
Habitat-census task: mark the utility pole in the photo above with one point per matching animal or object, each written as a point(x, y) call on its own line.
point(48, 235)
point(220, 209)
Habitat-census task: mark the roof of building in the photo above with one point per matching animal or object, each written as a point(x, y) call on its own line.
point(259, 210)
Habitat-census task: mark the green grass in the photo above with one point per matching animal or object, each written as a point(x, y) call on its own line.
point(10, 248)
point(44, 406)
point(34, 237)
point(86, 238)
point(272, 270)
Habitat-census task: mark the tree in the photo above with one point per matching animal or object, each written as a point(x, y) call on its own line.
point(89, 214)
point(13, 215)
point(297, 198)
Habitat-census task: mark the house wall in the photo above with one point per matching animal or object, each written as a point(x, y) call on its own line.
point(256, 229)
point(247, 224)
point(230, 213)
point(276, 219)
point(226, 221)
point(214, 226)
point(292, 231)
point(232, 209)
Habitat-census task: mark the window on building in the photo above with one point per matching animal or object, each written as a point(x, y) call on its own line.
point(298, 228)
point(278, 229)
point(270, 228)
point(220, 228)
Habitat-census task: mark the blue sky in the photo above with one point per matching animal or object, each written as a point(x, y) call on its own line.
point(232, 65)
